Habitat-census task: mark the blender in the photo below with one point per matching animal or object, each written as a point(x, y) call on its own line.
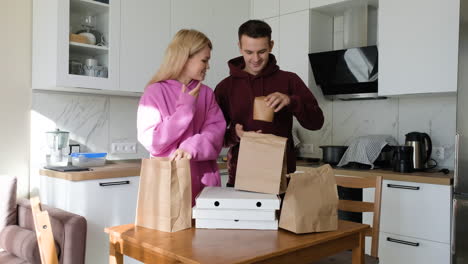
point(57, 148)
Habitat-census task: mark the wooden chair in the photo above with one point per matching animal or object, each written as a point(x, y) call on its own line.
point(358, 206)
point(45, 238)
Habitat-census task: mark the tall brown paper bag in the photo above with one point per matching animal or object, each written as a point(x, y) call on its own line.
point(165, 195)
point(261, 166)
point(311, 202)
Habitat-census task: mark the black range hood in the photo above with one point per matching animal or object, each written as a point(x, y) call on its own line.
point(348, 74)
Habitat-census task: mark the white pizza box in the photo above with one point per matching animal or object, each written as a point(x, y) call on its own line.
point(234, 214)
point(236, 224)
point(230, 198)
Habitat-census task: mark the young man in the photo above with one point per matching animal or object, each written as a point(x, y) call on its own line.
point(255, 74)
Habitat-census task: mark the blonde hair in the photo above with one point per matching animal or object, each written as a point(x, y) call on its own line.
point(185, 44)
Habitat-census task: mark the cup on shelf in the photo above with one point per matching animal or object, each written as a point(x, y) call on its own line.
point(91, 62)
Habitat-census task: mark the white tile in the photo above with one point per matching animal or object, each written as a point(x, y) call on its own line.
point(122, 126)
point(434, 115)
point(322, 136)
point(84, 116)
point(352, 119)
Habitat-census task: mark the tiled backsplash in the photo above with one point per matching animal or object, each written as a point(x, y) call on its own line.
point(435, 115)
point(94, 122)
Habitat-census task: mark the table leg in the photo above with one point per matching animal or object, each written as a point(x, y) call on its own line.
point(115, 256)
point(358, 252)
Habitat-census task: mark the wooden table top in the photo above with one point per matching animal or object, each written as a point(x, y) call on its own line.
point(226, 246)
point(420, 177)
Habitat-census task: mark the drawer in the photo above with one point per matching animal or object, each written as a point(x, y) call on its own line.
point(416, 210)
point(395, 249)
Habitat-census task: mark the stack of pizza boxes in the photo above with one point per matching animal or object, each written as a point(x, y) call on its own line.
point(228, 208)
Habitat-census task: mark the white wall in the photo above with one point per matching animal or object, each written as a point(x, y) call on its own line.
point(15, 83)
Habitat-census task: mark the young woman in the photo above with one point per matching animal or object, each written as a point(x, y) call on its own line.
point(178, 116)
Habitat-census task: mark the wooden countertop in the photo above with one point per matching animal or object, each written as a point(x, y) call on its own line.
point(420, 177)
point(113, 170)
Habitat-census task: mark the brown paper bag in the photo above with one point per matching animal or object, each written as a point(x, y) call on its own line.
point(261, 166)
point(164, 195)
point(262, 111)
point(311, 202)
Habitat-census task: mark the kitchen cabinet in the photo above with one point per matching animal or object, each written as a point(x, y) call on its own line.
point(261, 9)
point(220, 21)
point(290, 6)
point(294, 44)
point(418, 46)
point(274, 23)
point(59, 58)
point(409, 250)
point(415, 223)
point(103, 202)
point(145, 34)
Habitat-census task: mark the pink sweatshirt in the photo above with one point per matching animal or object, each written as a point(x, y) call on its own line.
point(169, 119)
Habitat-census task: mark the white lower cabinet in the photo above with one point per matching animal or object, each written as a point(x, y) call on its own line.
point(415, 223)
point(396, 249)
point(104, 203)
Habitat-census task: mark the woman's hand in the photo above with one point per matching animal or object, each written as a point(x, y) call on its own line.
point(194, 92)
point(179, 154)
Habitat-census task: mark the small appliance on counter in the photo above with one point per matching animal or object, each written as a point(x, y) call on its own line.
point(422, 150)
point(332, 154)
point(57, 148)
point(403, 159)
point(88, 159)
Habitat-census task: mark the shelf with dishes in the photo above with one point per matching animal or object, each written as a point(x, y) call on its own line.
point(76, 47)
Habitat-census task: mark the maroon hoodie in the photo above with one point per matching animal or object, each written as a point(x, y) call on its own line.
point(235, 95)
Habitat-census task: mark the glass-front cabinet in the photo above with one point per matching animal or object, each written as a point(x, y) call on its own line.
point(76, 45)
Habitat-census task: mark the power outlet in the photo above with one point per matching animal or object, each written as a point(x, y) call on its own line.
point(438, 153)
point(124, 148)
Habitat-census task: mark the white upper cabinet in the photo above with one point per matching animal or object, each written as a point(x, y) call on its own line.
point(294, 44)
point(76, 45)
point(290, 6)
point(418, 46)
point(145, 34)
point(274, 23)
point(220, 21)
point(261, 9)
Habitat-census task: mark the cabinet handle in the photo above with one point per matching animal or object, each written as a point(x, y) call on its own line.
point(104, 184)
point(406, 187)
point(402, 242)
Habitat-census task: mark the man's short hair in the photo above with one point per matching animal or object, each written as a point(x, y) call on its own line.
point(255, 29)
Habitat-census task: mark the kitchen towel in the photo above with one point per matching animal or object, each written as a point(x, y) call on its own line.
point(311, 202)
point(366, 149)
point(261, 166)
point(165, 195)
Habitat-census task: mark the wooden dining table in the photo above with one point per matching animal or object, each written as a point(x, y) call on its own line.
point(233, 246)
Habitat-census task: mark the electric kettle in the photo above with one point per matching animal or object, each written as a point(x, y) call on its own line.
point(422, 149)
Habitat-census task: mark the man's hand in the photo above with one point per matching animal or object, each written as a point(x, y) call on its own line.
point(180, 154)
point(194, 92)
point(240, 130)
point(277, 101)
